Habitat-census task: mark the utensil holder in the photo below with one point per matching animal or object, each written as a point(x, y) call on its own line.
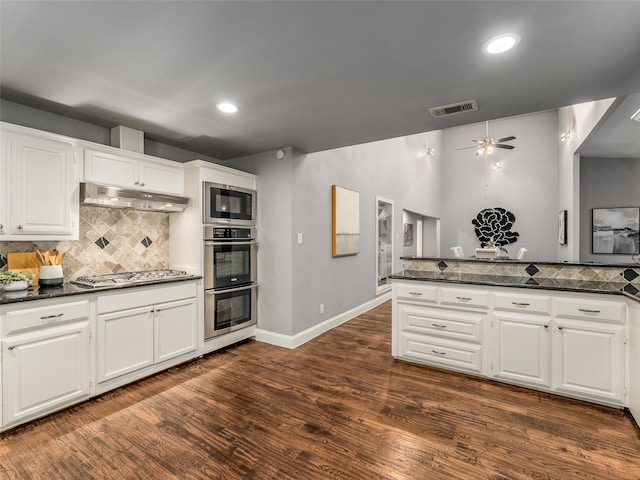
point(50, 276)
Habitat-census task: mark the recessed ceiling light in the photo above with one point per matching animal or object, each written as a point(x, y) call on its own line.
point(227, 107)
point(501, 43)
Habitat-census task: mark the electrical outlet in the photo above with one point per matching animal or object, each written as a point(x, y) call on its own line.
point(299, 239)
point(322, 309)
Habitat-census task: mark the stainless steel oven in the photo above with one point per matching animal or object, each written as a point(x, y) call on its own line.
point(226, 204)
point(230, 309)
point(230, 256)
point(230, 275)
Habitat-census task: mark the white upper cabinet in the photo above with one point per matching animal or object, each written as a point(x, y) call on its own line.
point(39, 187)
point(121, 168)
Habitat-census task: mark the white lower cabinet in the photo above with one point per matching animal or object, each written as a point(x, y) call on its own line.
point(45, 360)
point(571, 344)
point(137, 331)
point(588, 359)
point(174, 334)
point(442, 336)
point(125, 342)
point(520, 350)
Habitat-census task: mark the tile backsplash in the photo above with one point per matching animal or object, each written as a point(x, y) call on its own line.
point(628, 276)
point(111, 240)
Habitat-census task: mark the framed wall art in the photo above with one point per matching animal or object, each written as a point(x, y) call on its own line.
point(346, 221)
point(562, 227)
point(615, 230)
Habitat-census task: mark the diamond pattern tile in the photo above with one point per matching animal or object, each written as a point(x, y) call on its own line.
point(146, 241)
point(442, 265)
point(532, 269)
point(630, 289)
point(630, 274)
point(102, 242)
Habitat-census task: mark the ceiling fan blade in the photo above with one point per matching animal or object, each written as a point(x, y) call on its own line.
point(508, 147)
point(465, 148)
point(505, 139)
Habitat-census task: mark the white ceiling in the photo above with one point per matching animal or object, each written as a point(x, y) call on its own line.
point(311, 74)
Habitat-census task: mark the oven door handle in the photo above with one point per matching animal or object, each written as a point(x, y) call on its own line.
point(215, 243)
point(231, 290)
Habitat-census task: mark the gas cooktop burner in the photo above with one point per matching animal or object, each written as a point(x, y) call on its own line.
point(128, 278)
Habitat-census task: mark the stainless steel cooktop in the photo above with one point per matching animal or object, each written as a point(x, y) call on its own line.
point(128, 278)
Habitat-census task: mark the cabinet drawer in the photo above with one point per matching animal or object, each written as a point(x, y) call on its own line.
point(437, 351)
point(522, 303)
point(589, 309)
point(20, 320)
point(143, 296)
point(465, 297)
point(442, 322)
point(416, 291)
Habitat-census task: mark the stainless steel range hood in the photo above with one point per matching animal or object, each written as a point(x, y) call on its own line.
point(114, 197)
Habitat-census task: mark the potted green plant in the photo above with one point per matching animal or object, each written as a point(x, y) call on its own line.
point(15, 280)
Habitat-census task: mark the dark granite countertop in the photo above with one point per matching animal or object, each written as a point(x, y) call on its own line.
point(70, 289)
point(524, 262)
point(609, 288)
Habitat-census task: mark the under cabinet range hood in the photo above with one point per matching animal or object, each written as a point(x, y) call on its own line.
point(115, 197)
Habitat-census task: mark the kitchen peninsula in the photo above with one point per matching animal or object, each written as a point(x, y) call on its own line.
point(566, 328)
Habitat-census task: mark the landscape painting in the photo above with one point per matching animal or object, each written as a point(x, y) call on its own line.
point(346, 221)
point(615, 230)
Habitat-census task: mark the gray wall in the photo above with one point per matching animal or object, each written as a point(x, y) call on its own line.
point(295, 197)
point(527, 183)
point(606, 182)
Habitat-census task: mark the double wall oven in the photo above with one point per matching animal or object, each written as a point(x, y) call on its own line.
point(230, 261)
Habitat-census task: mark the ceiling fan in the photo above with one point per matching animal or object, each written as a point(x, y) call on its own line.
point(488, 144)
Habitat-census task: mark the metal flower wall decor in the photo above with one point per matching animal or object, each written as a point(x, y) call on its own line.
point(493, 227)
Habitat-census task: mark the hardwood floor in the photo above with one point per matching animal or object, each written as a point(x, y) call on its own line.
point(338, 407)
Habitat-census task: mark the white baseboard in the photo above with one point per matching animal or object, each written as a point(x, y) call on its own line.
point(289, 341)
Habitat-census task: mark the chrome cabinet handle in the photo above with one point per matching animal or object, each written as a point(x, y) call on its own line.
point(560, 328)
point(438, 326)
point(415, 294)
point(10, 347)
point(586, 310)
point(50, 317)
point(439, 353)
point(19, 227)
point(520, 304)
point(1, 226)
point(464, 299)
point(546, 326)
point(142, 184)
point(136, 182)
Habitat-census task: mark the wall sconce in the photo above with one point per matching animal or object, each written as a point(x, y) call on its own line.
point(564, 136)
point(427, 152)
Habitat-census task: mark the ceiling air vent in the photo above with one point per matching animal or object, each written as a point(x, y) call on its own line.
point(460, 107)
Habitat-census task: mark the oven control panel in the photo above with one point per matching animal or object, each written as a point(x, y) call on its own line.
point(212, 232)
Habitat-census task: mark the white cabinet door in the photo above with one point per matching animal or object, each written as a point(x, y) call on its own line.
point(130, 170)
point(175, 329)
point(41, 188)
point(110, 169)
point(125, 342)
point(161, 177)
point(44, 371)
point(520, 348)
point(588, 359)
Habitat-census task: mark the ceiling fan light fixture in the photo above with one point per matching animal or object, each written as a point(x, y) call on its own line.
point(501, 43)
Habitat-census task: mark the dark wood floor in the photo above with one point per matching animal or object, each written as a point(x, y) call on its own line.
point(339, 407)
